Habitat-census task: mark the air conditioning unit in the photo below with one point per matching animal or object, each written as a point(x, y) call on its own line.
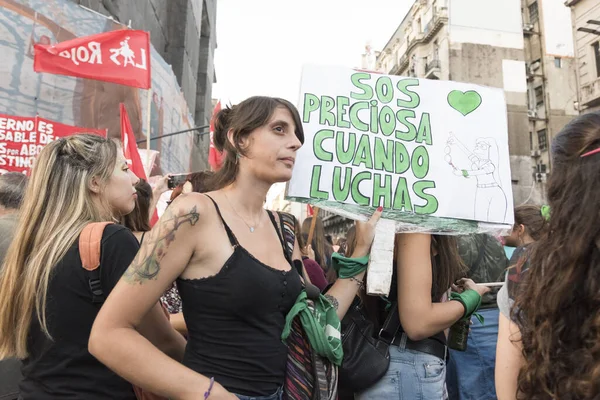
point(532, 114)
point(541, 177)
point(536, 153)
point(528, 27)
point(534, 66)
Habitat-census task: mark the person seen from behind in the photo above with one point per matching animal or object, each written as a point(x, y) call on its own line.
point(552, 345)
point(427, 266)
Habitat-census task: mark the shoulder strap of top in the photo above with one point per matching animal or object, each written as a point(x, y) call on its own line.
point(142, 238)
point(232, 239)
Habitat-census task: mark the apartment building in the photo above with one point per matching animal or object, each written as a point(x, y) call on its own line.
point(497, 44)
point(586, 32)
point(551, 76)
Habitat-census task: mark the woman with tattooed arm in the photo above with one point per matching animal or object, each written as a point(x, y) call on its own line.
point(226, 254)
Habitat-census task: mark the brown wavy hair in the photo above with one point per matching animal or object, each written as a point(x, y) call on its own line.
point(530, 216)
point(242, 119)
point(558, 312)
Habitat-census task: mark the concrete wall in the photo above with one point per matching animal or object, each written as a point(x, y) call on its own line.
point(183, 33)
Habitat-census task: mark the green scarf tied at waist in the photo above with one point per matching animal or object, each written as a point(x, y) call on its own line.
point(321, 325)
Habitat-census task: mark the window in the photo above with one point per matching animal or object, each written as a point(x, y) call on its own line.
point(558, 62)
point(596, 47)
point(531, 140)
point(542, 139)
point(533, 13)
point(539, 96)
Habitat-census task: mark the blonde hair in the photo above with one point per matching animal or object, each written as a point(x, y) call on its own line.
point(58, 203)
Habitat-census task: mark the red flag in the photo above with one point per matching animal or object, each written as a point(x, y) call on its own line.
point(215, 157)
point(309, 211)
point(121, 56)
point(130, 149)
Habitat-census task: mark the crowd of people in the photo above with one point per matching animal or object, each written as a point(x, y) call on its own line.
point(199, 305)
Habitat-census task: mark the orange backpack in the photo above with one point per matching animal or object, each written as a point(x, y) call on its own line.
point(90, 242)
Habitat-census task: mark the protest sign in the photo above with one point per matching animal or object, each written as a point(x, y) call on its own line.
point(22, 138)
point(433, 153)
point(121, 56)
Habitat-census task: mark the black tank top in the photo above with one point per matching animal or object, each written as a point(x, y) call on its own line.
point(235, 320)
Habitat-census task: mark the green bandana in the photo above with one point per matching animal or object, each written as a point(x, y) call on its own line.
point(321, 325)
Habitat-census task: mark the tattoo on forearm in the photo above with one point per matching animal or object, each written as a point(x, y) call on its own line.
point(146, 264)
point(334, 302)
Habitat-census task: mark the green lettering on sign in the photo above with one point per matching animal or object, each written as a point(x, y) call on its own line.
point(411, 133)
point(342, 110)
point(315, 192)
point(318, 149)
point(341, 191)
point(326, 116)
point(363, 153)
point(366, 90)
point(345, 154)
point(432, 204)
point(382, 191)
point(357, 196)
point(311, 103)
point(402, 200)
point(354, 120)
point(420, 162)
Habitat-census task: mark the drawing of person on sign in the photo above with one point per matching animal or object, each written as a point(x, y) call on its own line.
point(490, 199)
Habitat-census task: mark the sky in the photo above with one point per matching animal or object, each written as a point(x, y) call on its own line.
point(262, 44)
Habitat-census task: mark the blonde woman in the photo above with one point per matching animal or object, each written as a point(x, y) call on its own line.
point(46, 305)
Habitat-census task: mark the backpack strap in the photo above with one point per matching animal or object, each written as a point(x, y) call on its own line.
point(90, 241)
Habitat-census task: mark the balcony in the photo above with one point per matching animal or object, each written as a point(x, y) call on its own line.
point(432, 69)
point(590, 93)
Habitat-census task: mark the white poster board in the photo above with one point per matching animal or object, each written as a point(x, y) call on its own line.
point(433, 153)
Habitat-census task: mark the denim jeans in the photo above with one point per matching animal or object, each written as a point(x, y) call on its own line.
point(278, 395)
point(412, 376)
point(471, 372)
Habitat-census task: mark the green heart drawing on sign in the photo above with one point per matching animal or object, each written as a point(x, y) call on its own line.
point(464, 102)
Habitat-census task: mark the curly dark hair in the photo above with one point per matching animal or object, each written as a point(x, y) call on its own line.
point(558, 308)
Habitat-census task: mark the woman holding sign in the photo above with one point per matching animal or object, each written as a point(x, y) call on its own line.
point(232, 267)
point(426, 267)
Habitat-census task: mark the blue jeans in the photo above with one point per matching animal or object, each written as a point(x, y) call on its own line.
point(278, 395)
point(471, 372)
point(412, 376)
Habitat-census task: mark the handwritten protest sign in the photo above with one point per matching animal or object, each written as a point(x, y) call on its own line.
point(433, 153)
point(22, 138)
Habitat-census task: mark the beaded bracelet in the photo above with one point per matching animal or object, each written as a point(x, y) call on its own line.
point(210, 386)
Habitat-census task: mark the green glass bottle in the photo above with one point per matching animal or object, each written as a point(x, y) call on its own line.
point(459, 332)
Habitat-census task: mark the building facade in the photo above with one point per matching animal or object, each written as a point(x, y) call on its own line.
point(551, 76)
point(586, 32)
point(184, 34)
point(487, 43)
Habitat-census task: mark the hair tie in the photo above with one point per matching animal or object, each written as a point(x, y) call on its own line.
point(545, 210)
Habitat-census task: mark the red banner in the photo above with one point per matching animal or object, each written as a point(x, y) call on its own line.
point(215, 157)
point(22, 138)
point(121, 56)
point(130, 149)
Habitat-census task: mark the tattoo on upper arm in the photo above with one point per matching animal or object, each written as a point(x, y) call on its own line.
point(146, 264)
point(334, 302)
